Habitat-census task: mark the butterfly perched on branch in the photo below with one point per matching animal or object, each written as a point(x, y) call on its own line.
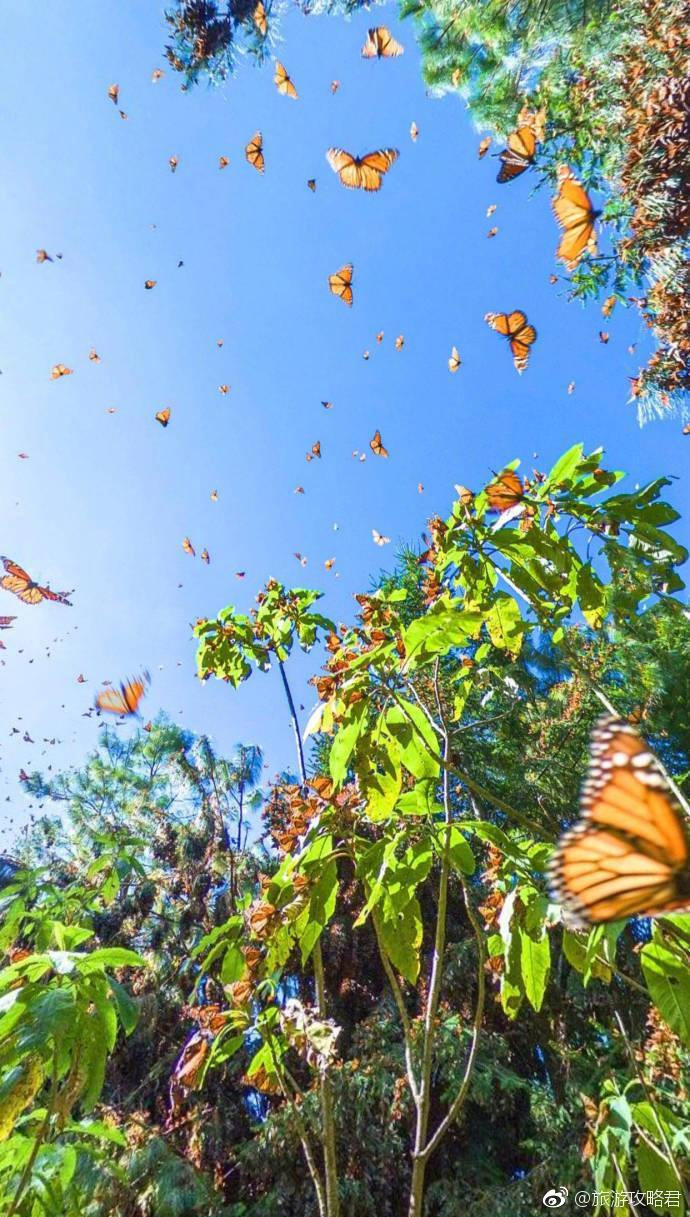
point(629, 853)
point(17, 581)
point(361, 172)
point(518, 155)
point(520, 334)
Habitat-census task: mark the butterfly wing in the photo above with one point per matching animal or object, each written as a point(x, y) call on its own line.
point(520, 346)
point(346, 166)
point(629, 854)
point(373, 166)
point(254, 152)
point(282, 81)
point(13, 568)
point(575, 214)
point(518, 155)
point(505, 491)
point(112, 701)
point(341, 284)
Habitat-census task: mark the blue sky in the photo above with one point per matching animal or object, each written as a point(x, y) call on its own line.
point(104, 500)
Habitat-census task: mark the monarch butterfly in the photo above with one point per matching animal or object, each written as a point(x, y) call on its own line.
point(573, 209)
point(259, 19)
point(254, 152)
point(224, 389)
point(505, 491)
point(315, 451)
point(223, 162)
point(399, 342)
point(283, 83)
point(124, 700)
point(378, 538)
point(94, 356)
point(520, 335)
point(6, 622)
point(188, 547)
point(414, 132)
point(629, 854)
point(454, 360)
point(173, 161)
point(519, 154)
point(341, 284)
point(150, 283)
point(59, 370)
point(43, 256)
point(329, 563)
point(205, 556)
point(335, 85)
point(163, 416)
point(484, 145)
point(156, 75)
point(380, 44)
point(361, 172)
point(114, 93)
point(214, 496)
point(376, 445)
point(311, 183)
point(22, 585)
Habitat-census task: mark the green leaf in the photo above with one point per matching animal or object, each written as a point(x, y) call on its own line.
point(505, 624)
point(401, 936)
point(345, 742)
point(127, 1008)
point(535, 959)
point(415, 737)
point(668, 981)
point(654, 1172)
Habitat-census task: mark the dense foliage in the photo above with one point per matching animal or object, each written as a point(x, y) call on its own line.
point(370, 1005)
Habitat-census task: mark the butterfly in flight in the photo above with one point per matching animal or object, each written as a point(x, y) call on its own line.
point(188, 547)
point(575, 214)
point(114, 93)
point(484, 145)
point(520, 334)
point(6, 622)
point(414, 132)
point(60, 369)
point(518, 155)
point(378, 537)
point(163, 416)
point(22, 585)
point(380, 44)
point(340, 284)
point(124, 700)
point(361, 172)
point(504, 492)
point(260, 19)
point(454, 360)
point(376, 445)
point(629, 853)
point(254, 152)
point(283, 82)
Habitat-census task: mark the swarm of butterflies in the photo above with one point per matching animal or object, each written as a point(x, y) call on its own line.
point(628, 854)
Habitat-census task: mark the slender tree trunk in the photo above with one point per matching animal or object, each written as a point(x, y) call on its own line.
point(325, 1087)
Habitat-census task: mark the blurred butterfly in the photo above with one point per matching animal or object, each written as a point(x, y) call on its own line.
point(240, 574)
point(124, 700)
point(42, 256)
point(283, 83)
point(519, 154)
point(505, 491)
point(492, 232)
point(490, 209)
point(329, 563)
point(260, 20)
point(327, 405)
point(114, 93)
point(376, 445)
point(301, 559)
point(205, 556)
point(157, 74)
point(414, 132)
point(188, 547)
point(224, 389)
point(574, 212)
point(380, 44)
point(335, 85)
point(378, 538)
point(379, 336)
point(163, 417)
point(484, 146)
point(571, 387)
point(520, 334)
point(22, 585)
point(365, 355)
point(223, 162)
point(315, 451)
point(361, 173)
point(94, 356)
point(609, 305)
point(399, 342)
point(629, 853)
point(173, 161)
point(149, 283)
point(298, 490)
point(6, 622)
point(603, 336)
point(341, 284)
point(60, 369)
point(454, 360)
point(214, 496)
point(254, 152)
point(311, 183)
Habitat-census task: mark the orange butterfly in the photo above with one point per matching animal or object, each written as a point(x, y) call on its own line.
point(157, 74)
point(223, 162)
point(254, 152)
point(114, 93)
point(376, 445)
point(414, 132)
point(205, 556)
point(380, 44)
point(224, 389)
point(341, 284)
point(94, 356)
point(150, 283)
point(519, 154)
point(163, 416)
point(124, 700)
point(335, 85)
point(573, 210)
point(59, 370)
point(454, 360)
point(173, 161)
point(260, 20)
point(399, 342)
point(378, 538)
point(22, 585)
point(43, 256)
point(315, 451)
point(188, 547)
point(484, 146)
point(629, 854)
point(520, 335)
point(361, 172)
point(505, 491)
point(283, 83)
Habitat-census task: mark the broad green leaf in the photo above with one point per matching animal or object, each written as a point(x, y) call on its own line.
point(668, 981)
point(535, 959)
point(505, 625)
point(401, 935)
